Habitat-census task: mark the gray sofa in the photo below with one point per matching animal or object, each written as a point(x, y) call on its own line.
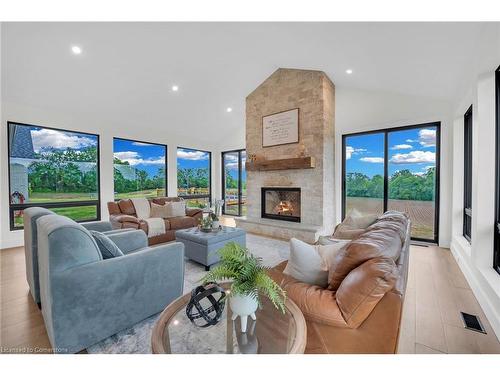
point(31, 215)
point(85, 298)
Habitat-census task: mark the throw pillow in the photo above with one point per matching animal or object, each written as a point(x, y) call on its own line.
point(107, 247)
point(310, 263)
point(159, 211)
point(175, 209)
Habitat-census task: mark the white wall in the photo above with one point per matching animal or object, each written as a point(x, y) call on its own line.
point(58, 118)
point(476, 259)
point(358, 110)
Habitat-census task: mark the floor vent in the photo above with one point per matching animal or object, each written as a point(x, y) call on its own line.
point(472, 322)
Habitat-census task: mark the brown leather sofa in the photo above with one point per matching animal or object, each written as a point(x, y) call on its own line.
point(122, 215)
point(360, 311)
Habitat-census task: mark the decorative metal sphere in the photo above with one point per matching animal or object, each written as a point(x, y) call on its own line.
point(206, 305)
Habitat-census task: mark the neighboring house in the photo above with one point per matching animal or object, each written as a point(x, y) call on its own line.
point(22, 154)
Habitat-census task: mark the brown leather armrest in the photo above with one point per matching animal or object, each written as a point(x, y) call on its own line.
point(317, 304)
point(193, 211)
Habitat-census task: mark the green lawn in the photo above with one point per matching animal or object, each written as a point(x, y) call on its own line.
point(80, 213)
point(152, 193)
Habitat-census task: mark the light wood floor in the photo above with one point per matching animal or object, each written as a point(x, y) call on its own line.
point(436, 292)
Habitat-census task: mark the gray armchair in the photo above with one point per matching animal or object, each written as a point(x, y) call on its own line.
point(85, 298)
point(31, 215)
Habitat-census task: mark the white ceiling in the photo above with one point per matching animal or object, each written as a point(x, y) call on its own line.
point(126, 70)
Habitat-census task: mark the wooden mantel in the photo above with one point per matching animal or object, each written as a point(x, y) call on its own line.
point(307, 162)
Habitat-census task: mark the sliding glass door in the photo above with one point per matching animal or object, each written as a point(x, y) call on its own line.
point(234, 182)
point(412, 178)
point(364, 173)
point(395, 169)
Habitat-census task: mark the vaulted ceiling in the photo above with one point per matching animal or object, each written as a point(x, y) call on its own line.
point(126, 70)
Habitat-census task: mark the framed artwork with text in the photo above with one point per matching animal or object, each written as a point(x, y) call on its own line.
point(280, 128)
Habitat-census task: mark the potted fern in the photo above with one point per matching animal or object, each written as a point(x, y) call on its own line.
point(249, 281)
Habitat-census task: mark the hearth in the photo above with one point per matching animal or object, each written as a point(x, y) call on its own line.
point(281, 203)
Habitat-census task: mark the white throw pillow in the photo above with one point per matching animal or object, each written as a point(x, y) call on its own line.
point(310, 263)
point(175, 209)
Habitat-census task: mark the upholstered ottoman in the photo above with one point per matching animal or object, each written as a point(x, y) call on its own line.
point(203, 247)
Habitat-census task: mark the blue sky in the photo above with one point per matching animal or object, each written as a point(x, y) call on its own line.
point(44, 139)
point(144, 156)
point(187, 158)
point(413, 149)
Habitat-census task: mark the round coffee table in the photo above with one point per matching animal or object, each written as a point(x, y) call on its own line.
point(273, 332)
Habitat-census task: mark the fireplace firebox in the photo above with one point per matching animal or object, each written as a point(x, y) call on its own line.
point(281, 203)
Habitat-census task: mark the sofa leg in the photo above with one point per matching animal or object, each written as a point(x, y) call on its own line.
point(207, 268)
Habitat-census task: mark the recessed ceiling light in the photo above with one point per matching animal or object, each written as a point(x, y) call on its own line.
point(349, 71)
point(175, 88)
point(76, 50)
point(229, 109)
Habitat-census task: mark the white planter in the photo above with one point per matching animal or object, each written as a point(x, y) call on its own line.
point(215, 224)
point(243, 306)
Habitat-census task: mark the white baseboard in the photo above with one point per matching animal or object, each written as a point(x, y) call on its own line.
point(484, 301)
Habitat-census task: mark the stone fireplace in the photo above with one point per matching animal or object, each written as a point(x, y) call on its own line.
point(275, 173)
point(280, 203)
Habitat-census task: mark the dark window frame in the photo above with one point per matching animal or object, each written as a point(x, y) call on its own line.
point(240, 186)
point(496, 229)
point(196, 196)
point(68, 204)
point(149, 143)
point(467, 195)
point(385, 132)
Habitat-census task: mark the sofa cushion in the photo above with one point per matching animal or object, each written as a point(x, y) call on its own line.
point(126, 207)
point(364, 287)
point(381, 239)
point(182, 222)
point(107, 247)
point(344, 233)
point(354, 225)
point(163, 200)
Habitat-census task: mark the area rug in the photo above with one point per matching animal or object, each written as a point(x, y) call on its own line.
point(137, 339)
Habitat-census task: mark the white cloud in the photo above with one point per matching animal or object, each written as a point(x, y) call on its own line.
point(349, 151)
point(230, 157)
point(427, 137)
point(411, 141)
point(142, 144)
point(49, 138)
point(414, 157)
point(403, 146)
point(133, 158)
point(231, 166)
point(372, 160)
point(192, 155)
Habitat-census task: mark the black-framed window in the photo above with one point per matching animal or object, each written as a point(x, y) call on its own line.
point(234, 182)
point(496, 247)
point(194, 176)
point(394, 169)
point(53, 168)
point(139, 169)
point(467, 213)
